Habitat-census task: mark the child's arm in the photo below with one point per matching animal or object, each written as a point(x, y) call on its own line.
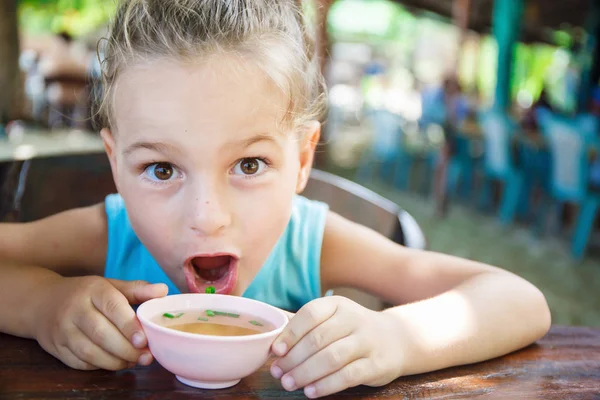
point(70, 243)
point(86, 322)
point(454, 312)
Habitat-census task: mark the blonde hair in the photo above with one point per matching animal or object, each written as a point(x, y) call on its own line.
point(272, 33)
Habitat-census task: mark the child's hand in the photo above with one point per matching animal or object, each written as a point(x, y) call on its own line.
point(332, 344)
point(88, 322)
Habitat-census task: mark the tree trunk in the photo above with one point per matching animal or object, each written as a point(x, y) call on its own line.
point(9, 56)
point(322, 43)
point(323, 7)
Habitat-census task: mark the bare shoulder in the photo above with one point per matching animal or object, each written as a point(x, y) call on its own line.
point(73, 242)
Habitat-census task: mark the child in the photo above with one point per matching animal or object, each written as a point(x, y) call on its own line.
point(209, 117)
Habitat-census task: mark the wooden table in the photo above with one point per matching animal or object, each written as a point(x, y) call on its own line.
point(563, 365)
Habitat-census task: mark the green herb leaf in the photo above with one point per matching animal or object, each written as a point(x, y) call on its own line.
point(221, 313)
point(168, 315)
point(232, 315)
point(202, 319)
point(253, 322)
point(210, 313)
point(179, 315)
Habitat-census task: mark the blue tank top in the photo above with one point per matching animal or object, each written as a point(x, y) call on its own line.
point(289, 278)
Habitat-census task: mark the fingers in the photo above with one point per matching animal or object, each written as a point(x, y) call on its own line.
point(90, 323)
point(324, 363)
point(71, 360)
point(107, 336)
point(316, 340)
point(326, 349)
point(349, 376)
point(137, 292)
point(115, 307)
point(309, 317)
point(83, 354)
point(288, 314)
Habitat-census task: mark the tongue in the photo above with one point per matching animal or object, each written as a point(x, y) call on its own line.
point(213, 274)
point(211, 268)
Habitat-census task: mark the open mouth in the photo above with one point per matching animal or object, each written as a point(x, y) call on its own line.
point(218, 271)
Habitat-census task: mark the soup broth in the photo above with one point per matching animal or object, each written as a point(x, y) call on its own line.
point(214, 322)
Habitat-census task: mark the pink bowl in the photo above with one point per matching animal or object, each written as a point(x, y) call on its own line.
point(204, 361)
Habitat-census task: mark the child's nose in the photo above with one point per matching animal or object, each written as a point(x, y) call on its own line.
point(210, 217)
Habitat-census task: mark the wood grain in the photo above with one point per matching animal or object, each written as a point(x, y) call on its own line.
point(563, 365)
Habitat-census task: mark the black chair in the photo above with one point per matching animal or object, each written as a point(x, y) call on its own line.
point(363, 206)
point(39, 187)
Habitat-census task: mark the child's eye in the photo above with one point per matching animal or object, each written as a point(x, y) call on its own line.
point(249, 166)
point(161, 172)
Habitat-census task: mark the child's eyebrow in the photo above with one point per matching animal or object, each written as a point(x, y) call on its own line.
point(154, 146)
point(261, 137)
point(166, 148)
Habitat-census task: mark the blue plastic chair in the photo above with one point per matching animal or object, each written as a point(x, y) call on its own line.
point(461, 166)
point(498, 133)
point(433, 109)
point(433, 114)
point(386, 152)
point(535, 162)
point(570, 140)
point(461, 163)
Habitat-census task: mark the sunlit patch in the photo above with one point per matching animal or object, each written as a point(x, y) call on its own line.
point(24, 152)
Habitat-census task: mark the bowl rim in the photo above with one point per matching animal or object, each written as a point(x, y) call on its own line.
point(245, 338)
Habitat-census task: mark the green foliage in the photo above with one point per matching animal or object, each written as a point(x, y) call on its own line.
point(366, 20)
point(385, 23)
point(76, 17)
point(536, 66)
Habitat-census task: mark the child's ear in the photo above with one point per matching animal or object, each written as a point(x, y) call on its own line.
point(307, 153)
point(109, 147)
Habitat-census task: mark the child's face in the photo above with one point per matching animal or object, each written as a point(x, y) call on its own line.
point(206, 167)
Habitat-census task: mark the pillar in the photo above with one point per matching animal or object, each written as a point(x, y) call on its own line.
point(506, 27)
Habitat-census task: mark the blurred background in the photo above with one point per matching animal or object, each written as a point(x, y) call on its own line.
point(481, 118)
